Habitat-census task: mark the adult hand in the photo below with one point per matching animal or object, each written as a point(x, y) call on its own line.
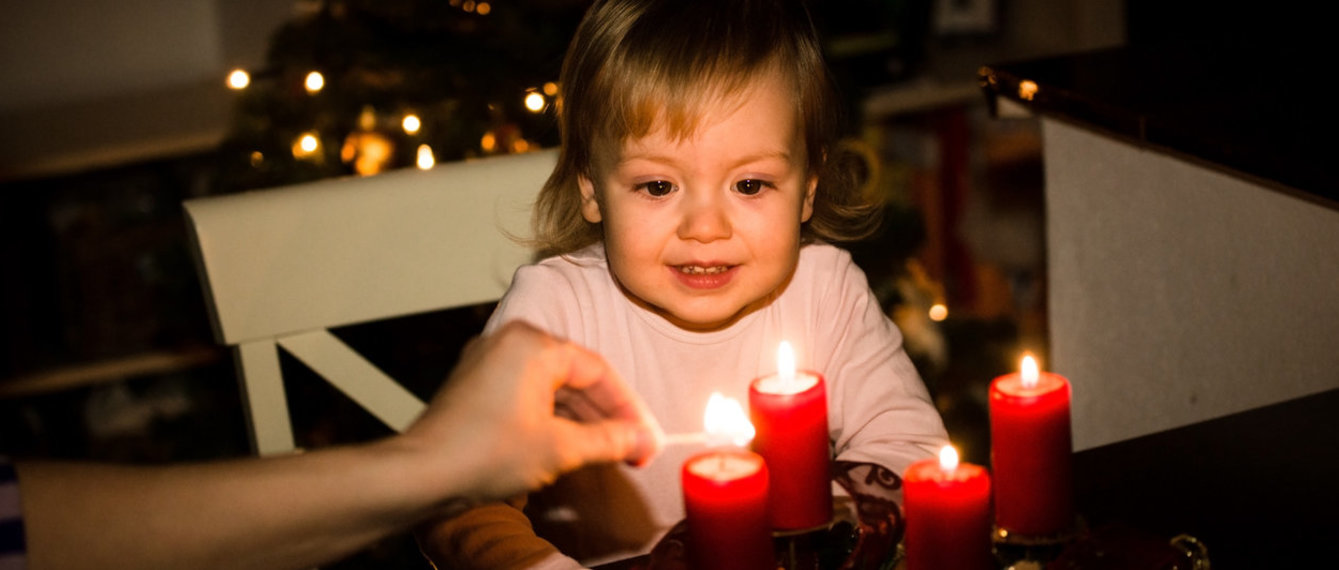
point(522, 407)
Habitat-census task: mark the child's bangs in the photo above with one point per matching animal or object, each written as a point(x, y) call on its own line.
point(674, 100)
point(671, 71)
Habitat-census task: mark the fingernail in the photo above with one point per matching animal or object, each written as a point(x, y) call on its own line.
point(643, 448)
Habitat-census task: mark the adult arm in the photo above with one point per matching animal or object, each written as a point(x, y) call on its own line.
point(490, 433)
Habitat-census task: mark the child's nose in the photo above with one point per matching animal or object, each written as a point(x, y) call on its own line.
point(705, 218)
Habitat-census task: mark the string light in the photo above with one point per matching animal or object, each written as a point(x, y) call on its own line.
point(315, 82)
point(411, 124)
point(550, 89)
point(534, 102)
point(239, 79)
point(489, 142)
point(483, 8)
point(306, 145)
point(425, 158)
point(938, 312)
point(367, 118)
point(1027, 89)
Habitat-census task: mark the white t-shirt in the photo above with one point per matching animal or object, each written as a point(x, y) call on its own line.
point(878, 408)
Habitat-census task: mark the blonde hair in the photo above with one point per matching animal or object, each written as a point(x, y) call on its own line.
point(635, 63)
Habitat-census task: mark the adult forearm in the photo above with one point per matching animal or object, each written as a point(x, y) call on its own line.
point(289, 512)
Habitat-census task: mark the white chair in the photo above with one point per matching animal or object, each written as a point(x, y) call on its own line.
point(281, 267)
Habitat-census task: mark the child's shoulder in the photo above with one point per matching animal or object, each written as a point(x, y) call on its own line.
point(822, 256)
point(825, 269)
point(584, 265)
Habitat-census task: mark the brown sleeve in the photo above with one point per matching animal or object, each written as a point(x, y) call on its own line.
point(494, 536)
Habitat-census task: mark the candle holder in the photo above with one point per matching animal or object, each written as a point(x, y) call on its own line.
point(1018, 551)
point(1116, 545)
point(864, 533)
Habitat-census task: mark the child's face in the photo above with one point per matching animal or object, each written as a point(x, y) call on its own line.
point(704, 229)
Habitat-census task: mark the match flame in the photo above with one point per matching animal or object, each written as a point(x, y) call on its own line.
point(726, 421)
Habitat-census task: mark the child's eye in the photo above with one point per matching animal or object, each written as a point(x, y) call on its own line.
point(750, 187)
point(656, 187)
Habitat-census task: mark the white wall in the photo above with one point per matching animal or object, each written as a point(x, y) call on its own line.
point(60, 51)
point(1180, 293)
point(88, 83)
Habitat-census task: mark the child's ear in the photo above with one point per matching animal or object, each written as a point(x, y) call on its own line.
point(590, 205)
point(807, 209)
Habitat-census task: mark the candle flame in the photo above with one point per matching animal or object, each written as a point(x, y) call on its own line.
point(725, 420)
point(948, 458)
point(785, 364)
point(1028, 370)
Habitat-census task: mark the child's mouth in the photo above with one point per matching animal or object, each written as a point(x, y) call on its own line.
point(707, 276)
point(700, 270)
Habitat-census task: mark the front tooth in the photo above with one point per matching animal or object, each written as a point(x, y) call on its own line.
point(699, 270)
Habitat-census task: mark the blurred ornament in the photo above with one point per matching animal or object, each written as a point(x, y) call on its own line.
point(366, 148)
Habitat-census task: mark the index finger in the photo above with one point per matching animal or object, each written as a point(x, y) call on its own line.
point(592, 379)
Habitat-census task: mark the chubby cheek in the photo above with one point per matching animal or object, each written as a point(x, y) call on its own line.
point(631, 250)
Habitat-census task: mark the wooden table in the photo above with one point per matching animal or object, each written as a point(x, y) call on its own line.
point(1260, 488)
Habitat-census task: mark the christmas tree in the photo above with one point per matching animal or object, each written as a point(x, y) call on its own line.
point(363, 86)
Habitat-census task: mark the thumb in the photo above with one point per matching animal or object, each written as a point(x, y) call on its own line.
point(604, 441)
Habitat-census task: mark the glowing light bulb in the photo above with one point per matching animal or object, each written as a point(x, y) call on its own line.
point(425, 159)
point(534, 102)
point(938, 312)
point(483, 8)
point(489, 142)
point(411, 123)
point(550, 88)
point(306, 145)
point(367, 118)
point(315, 82)
point(1027, 89)
point(239, 79)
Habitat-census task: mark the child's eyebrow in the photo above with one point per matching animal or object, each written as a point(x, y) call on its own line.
point(666, 159)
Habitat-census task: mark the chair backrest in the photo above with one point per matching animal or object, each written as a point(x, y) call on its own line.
point(281, 267)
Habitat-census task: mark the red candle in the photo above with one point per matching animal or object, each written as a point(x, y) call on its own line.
point(790, 411)
point(725, 498)
point(1030, 452)
point(947, 505)
point(725, 495)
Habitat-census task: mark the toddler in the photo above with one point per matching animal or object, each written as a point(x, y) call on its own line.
point(687, 227)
